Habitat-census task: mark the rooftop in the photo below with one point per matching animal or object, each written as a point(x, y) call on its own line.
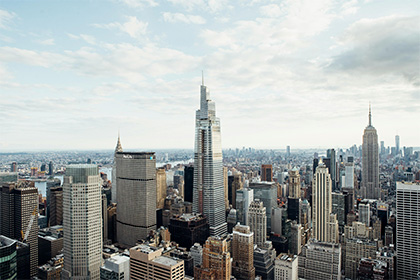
point(167, 261)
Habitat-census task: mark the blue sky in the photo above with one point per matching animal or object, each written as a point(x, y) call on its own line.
point(295, 72)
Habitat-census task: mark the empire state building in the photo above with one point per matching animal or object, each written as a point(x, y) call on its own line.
point(208, 188)
point(370, 162)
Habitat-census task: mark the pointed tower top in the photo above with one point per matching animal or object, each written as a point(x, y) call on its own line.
point(118, 148)
point(370, 116)
point(202, 77)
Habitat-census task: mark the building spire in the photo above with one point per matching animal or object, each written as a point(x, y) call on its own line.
point(202, 77)
point(118, 148)
point(370, 116)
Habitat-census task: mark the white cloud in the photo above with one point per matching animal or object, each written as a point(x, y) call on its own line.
point(205, 5)
point(139, 3)
point(47, 42)
point(350, 7)
point(178, 17)
point(271, 10)
point(6, 18)
point(133, 27)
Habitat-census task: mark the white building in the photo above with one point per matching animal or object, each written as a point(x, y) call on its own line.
point(349, 175)
point(208, 188)
point(258, 222)
point(82, 222)
point(116, 267)
point(408, 230)
point(244, 197)
point(286, 267)
point(364, 213)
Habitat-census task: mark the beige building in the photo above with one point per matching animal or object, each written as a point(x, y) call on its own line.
point(294, 183)
point(257, 221)
point(160, 188)
point(148, 263)
point(355, 250)
point(286, 267)
point(243, 253)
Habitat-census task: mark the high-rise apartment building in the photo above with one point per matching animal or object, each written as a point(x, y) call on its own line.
point(408, 230)
point(82, 225)
point(322, 205)
point(267, 173)
point(118, 149)
point(257, 221)
point(209, 189)
point(370, 162)
point(19, 203)
point(136, 196)
point(160, 188)
point(243, 253)
point(216, 263)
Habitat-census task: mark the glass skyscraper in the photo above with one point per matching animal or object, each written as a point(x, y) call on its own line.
point(208, 189)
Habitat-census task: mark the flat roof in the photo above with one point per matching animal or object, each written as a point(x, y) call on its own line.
point(168, 261)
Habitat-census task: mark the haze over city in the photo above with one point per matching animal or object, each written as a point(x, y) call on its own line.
point(298, 73)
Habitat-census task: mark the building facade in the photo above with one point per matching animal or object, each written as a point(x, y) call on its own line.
point(243, 253)
point(286, 267)
point(82, 223)
point(136, 196)
point(257, 221)
point(209, 186)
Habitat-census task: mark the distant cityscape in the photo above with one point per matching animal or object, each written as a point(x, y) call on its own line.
point(208, 213)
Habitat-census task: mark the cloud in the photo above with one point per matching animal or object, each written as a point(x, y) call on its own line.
point(381, 46)
point(6, 18)
point(47, 42)
point(271, 10)
point(140, 3)
point(133, 27)
point(205, 5)
point(178, 17)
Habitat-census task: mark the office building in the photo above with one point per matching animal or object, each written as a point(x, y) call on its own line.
point(188, 183)
point(349, 175)
point(264, 261)
point(82, 222)
point(196, 252)
point(183, 254)
point(160, 188)
point(364, 213)
point(243, 253)
point(118, 149)
point(209, 185)
point(320, 261)
point(338, 207)
point(13, 167)
point(50, 243)
point(286, 267)
point(52, 269)
point(234, 184)
point(149, 263)
point(244, 197)
point(322, 205)
point(116, 267)
point(136, 196)
point(266, 173)
point(355, 250)
point(333, 168)
point(51, 168)
point(397, 144)
point(19, 206)
point(294, 183)
point(408, 230)
point(56, 206)
point(370, 162)
point(8, 258)
point(267, 193)
point(216, 262)
point(295, 242)
point(372, 269)
point(257, 221)
point(231, 220)
point(188, 229)
point(179, 184)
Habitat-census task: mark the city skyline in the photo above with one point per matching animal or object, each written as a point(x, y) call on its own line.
point(289, 70)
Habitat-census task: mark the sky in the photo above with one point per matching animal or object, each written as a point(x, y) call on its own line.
point(293, 72)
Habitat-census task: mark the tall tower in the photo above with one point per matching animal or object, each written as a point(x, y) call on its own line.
point(266, 173)
point(136, 196)
point(208, 192)
point(294, 183)
point(82, 225)
point(408, 228)
point(243, 253)
point(397, 144)
point(257, 221)
point(19, 201)
point(322, 205)
point(118, 148)
point(370, 161)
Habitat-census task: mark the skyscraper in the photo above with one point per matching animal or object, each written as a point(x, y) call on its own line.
point(322, 205)
point(257, 221)
point(408, 229)
point(160, 188)
point(370, 162)
point(188, 183)
point(118, 148)
point(82, 222)
point(267, 173)
point(333, 168)
point(19, 202)
point(136, 196)
point(243, 253)
point(208, 192)
point(397, 144)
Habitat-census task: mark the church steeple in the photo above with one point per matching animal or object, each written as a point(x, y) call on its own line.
point(118, 148)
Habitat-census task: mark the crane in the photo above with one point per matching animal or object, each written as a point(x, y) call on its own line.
point(28, 229)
